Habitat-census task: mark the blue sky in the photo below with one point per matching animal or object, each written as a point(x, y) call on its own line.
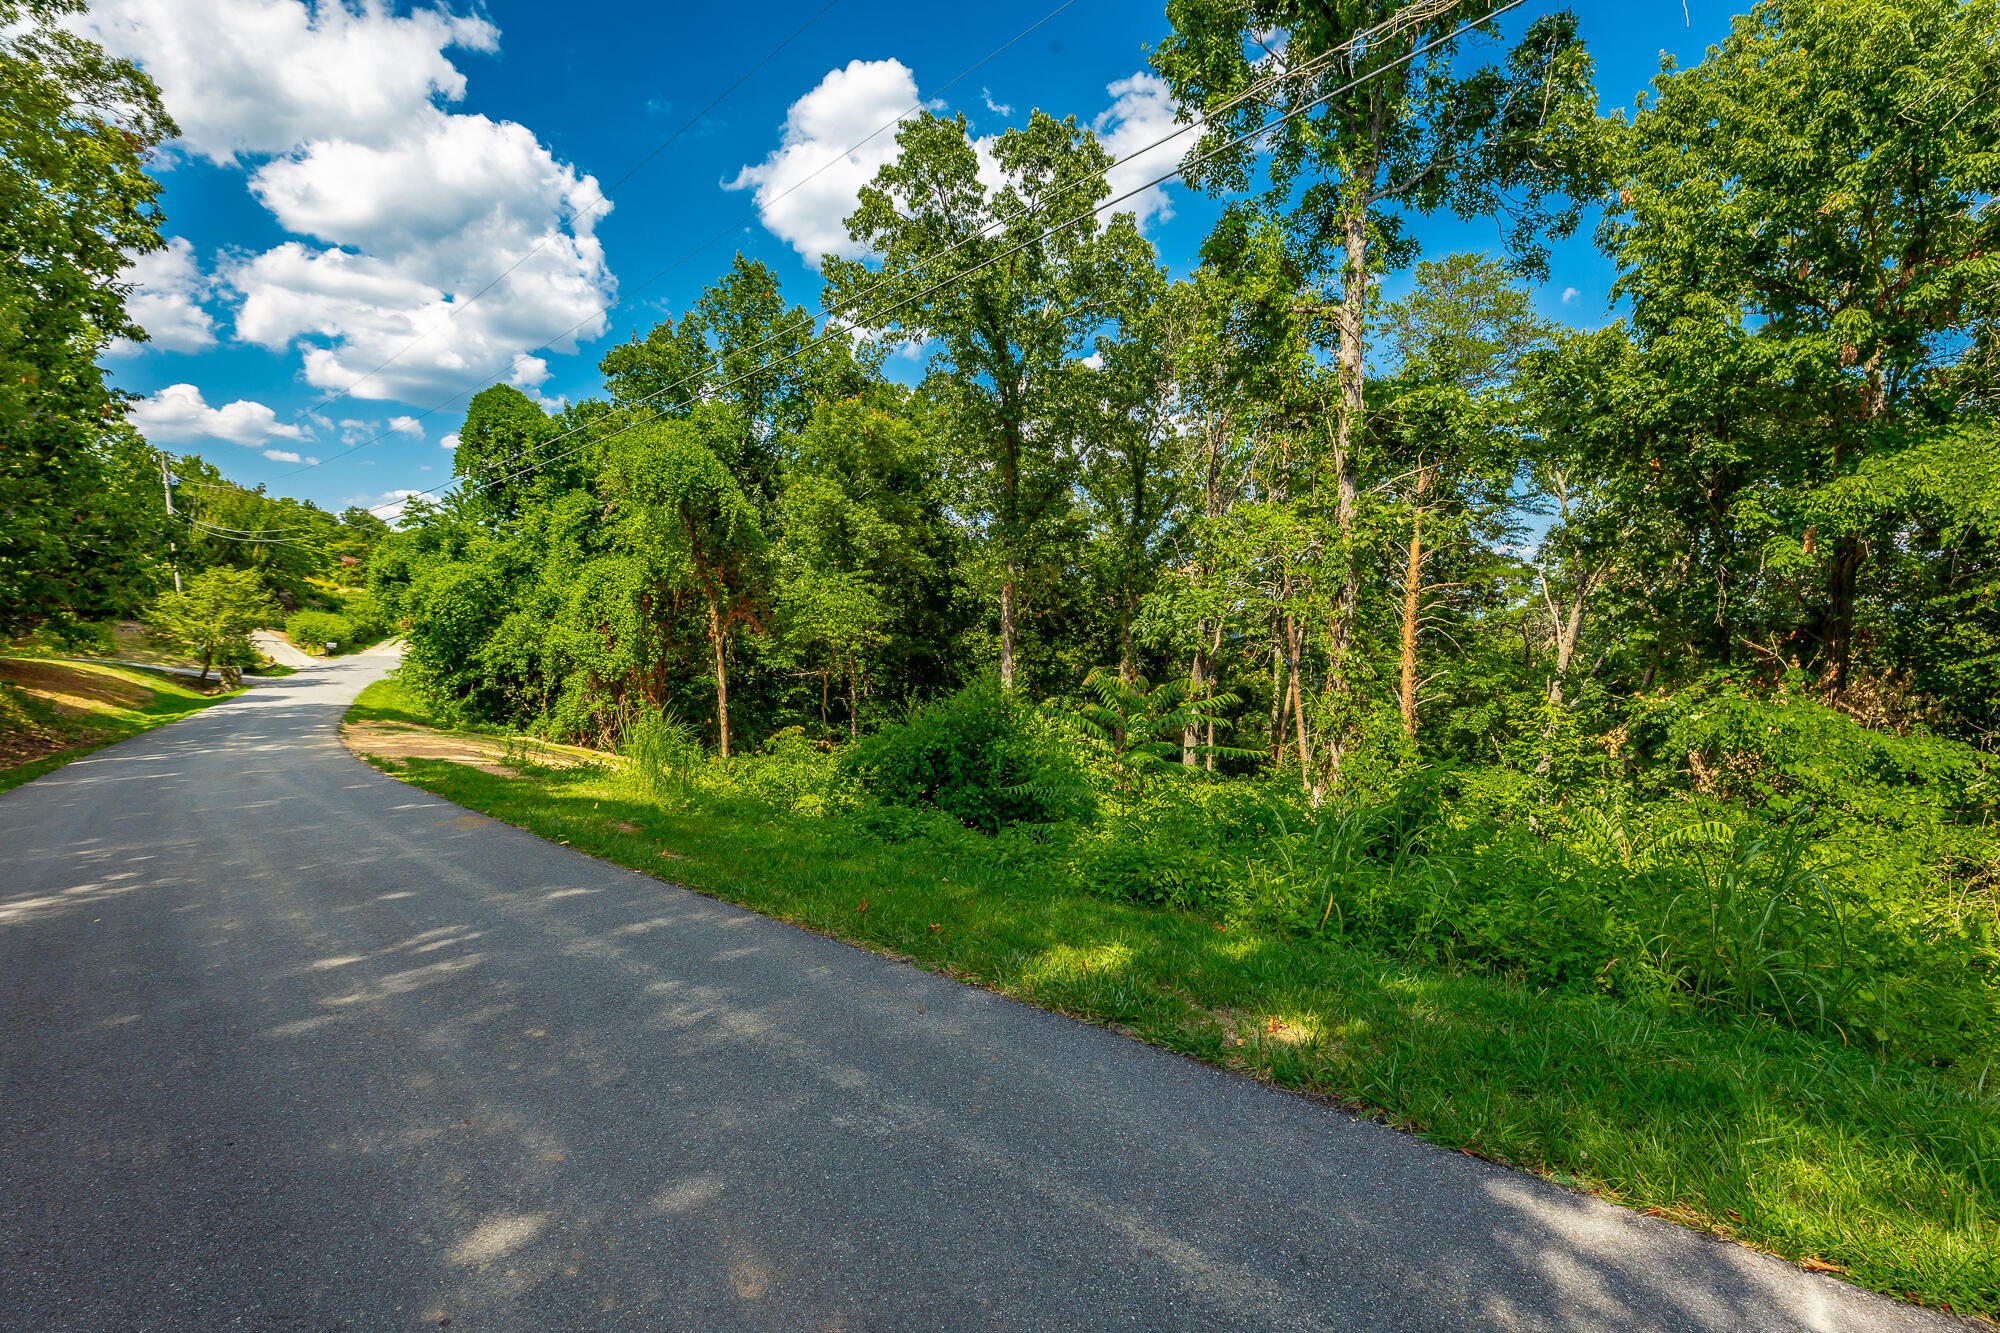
point(349, 177)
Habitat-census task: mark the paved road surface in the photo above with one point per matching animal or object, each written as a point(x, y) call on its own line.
point(281, 650)
point(288, 1044)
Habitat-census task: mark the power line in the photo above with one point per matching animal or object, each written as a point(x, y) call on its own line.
point(221, 535)
point(877, 315)
point(458, 306)
point(625, 294)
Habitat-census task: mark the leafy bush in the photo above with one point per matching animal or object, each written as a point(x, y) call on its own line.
point(980, 755)
point(1190, 844)
point(313, 630)
point(897, 823)
point(794, 773)
point(351, 619)
point(366, 621)
point(1790, 754)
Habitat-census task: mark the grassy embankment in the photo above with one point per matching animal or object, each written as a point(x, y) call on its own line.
point(1842, 1160)
point(51, 712)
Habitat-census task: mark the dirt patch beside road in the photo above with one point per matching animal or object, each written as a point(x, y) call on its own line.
point(501, 757)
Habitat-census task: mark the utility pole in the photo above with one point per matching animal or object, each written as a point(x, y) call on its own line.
point(167, 489)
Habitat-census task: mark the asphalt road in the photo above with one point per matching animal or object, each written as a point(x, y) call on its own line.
point(288, 1044)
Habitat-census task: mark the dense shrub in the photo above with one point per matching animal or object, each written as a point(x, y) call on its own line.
point(313, 630)
point(981, 756)
point(366, 621)
point(349, 619)
point(1188, 841)
point(1790, 754)
point(795, 773)
point(1699, 903)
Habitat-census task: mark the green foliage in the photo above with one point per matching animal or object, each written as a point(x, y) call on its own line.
point(355, 623)
point(980, 756)
point(1789, 754)
point(664, 757)
point(294, 546)
point(1140, 728)
point(796, 773)
point(80, 511)
point(212, 618)
point(312, 631)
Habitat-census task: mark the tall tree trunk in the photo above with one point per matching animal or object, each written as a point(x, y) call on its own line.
point(1214, 656)
point(1413, 588)
point(1007, 628)
point(721, 680)
point(1842, 578)
point(1190, 733)
point(1568, 633)
point(1351, 364)
point(1298, 703)
point(1277, 700)
point(853, 700)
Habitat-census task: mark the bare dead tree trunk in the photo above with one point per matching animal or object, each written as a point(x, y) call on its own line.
point(1566, 628)
point(853, 699)
point(1413, 588)
point(1007, 628)
point(721, 680)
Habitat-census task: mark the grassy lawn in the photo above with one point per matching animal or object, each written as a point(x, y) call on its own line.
point(51, 711)
point(1844, 1161)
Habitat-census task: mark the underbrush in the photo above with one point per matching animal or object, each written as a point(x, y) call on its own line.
point(1868, 915)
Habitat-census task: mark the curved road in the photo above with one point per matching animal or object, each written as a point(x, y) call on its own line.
point(288, 1044)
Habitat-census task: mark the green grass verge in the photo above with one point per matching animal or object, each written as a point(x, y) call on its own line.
point(1878, 1168)
point(117, 702)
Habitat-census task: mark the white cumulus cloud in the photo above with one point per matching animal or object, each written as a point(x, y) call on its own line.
point(165, 301)
point(262, 76)
point(809, 184)
point(389, 506)
point(407, 426)
point(435, 249)
point(1140, 114)
point(283, 456)
point(178, 414)
point(449, 440)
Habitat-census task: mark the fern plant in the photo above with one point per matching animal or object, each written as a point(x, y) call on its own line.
point(1141, 727)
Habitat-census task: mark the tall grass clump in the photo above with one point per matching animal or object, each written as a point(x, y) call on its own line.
point(663, 758)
